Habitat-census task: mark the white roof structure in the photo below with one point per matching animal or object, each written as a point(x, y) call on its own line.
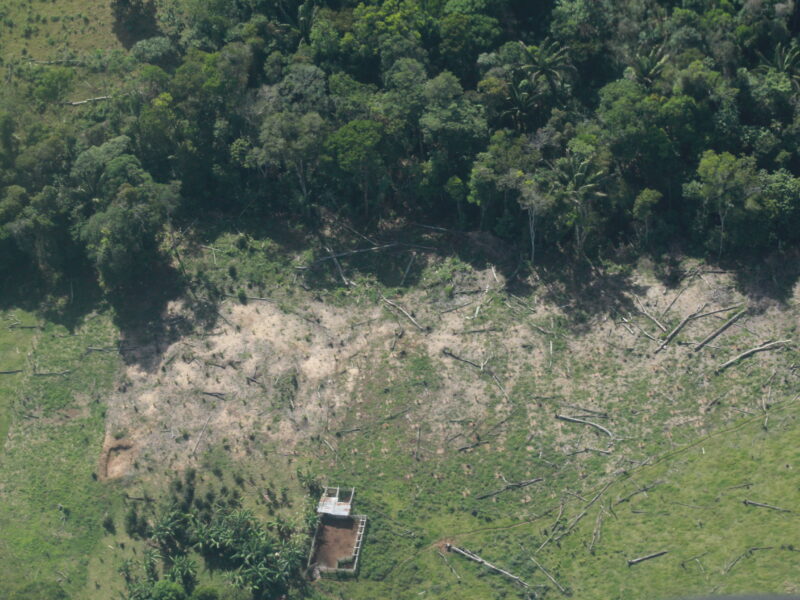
point(332, 504)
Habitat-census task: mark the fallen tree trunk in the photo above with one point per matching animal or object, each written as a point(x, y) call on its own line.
point(722, 329)
point(762, 348)
point(641, 559)
point(10, 372)
point(751, 503)
point(550, 577)
point(88, 101)
point(511, 486)
point(677, 329)
point(200, 437)
point(649, 316)
point(474, 557)
point(583, 422)
point(745, 554)
point(404, 311)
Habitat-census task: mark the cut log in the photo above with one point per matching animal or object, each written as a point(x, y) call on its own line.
point(583, 422)
point(720, 330)
point(762, 348)
point(474, 557)
point(641, 559)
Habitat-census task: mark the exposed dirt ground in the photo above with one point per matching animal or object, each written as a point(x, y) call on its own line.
point(336, 540)
point(271, 375)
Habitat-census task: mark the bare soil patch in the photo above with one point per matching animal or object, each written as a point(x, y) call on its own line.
point(116, 459)
point(336, 540)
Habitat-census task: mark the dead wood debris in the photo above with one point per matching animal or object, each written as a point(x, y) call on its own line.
point(474, 557)
point(678, 328)
point(721, 329)
point(641, 559)
point(584, 422)
point(762, 348)
point(405, 313)
point(510, 486)
point(747, 502)
point(746, 554)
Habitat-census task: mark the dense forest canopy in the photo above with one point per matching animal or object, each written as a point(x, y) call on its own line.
point(575, 127)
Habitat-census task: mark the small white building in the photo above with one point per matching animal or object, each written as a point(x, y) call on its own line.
point(336, 503)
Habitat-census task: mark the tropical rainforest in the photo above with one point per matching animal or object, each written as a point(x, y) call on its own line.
point(574, 127)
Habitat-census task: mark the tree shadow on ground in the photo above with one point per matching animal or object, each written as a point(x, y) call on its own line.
point(769, 280)
point(134, 20)
point(395, 257)
point(140, 311)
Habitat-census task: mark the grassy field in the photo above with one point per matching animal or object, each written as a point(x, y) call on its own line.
point(51, 504)
point(45, 30)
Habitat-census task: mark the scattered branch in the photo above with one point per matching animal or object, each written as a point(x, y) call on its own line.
point(762, 348)
point(455, 308)
point(641, 490)
point(474, 557)
point(511, 486)
point(404, 311)
point(447, 562)
point(643, 310)
point(332, 256)
point(473, 445)
point(745, 554)
point(719, 310)
point(408, 268)
point(550, 577)
point(597, 525)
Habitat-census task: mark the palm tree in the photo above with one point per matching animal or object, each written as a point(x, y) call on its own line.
point(549, 62)
point(577, 182)
point(648, 66)
point(522, 100)
point(784, 60)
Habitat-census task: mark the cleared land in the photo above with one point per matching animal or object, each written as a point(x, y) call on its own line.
point(434, 399)
point(431, 396)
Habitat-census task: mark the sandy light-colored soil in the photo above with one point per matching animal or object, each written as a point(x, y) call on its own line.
point(268, 377)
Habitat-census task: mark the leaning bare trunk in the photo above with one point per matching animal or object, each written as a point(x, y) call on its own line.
point(532, 231)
